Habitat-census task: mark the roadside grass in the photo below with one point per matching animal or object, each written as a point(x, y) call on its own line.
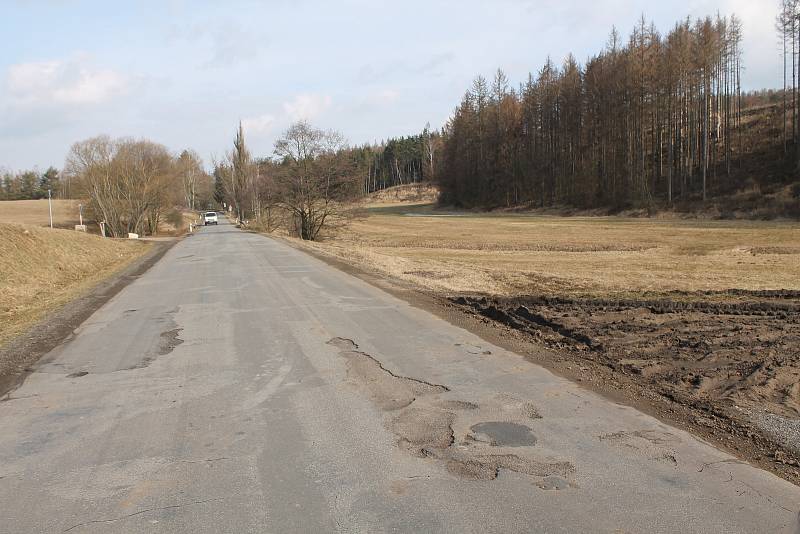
point(35, 212)
point(41, 269)
point(517, 254)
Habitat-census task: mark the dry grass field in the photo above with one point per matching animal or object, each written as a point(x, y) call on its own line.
point(35, 212)
point(41, 269)
point(574, 256)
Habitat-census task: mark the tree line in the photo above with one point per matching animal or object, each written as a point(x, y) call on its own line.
point(653, 119)
point(397, 161)
point(31, 184)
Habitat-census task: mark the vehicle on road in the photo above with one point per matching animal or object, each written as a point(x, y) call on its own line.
point(210, 218)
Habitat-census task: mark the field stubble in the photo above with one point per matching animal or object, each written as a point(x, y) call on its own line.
point(582, 256)
point(36, 212)
point(66, 214)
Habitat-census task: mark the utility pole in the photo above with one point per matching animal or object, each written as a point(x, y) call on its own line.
point(50, 206)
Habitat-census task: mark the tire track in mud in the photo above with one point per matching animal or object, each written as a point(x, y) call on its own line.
point(474, 440)
point(779, 304)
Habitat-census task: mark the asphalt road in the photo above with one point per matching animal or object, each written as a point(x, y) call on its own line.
point(242, 386)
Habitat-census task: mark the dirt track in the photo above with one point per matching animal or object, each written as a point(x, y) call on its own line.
point(731, 358)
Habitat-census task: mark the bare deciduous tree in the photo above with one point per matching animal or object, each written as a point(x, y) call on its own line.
point(312, 179)
point(196, 182)
point(129, 183)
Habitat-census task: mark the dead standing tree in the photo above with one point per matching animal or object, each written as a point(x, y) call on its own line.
point(312, 178)
point(641, 123)
point(239, 175)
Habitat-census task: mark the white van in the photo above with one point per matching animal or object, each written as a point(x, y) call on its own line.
point(210, 218)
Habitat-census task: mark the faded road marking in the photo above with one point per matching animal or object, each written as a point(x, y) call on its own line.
point(268, 390)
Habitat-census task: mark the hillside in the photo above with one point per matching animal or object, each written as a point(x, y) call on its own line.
point(44, 268)
point(416, 193)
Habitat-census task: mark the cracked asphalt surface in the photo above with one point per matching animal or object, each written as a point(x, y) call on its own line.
point(243, 386)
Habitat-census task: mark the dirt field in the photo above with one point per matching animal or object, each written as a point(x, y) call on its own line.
point(699, 318)
point(35, 212)
point(42, 269)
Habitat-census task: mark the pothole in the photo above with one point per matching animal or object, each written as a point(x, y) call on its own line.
point(424, 423)
point(458, 405)
point(504, 434)
point(553, 483)
point(388, 390)
point(652, 444)
point(421, 429)
point(488, 466)
point(169, 340)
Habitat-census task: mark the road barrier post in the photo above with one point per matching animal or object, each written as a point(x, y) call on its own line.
point(50, 206)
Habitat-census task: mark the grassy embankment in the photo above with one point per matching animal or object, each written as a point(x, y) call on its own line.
point(517, 254)
point(42, 269)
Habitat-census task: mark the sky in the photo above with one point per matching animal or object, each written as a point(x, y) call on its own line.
point(184, 73)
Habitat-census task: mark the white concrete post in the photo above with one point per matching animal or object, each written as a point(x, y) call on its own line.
point(50, 206)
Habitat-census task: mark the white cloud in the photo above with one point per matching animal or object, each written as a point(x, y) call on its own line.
point(762, 53)
point(72, 81)
point(259, 124)
point(307, 106)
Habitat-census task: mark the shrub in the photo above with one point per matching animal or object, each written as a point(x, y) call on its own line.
point(175, 218)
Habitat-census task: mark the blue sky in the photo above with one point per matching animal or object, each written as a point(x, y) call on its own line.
point(185, 73)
